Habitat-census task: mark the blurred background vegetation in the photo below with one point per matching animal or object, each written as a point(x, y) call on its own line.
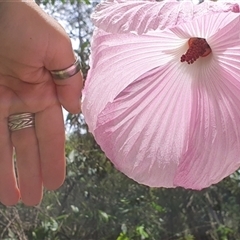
point(99, 203)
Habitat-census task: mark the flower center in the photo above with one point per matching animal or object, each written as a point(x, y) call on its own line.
point(198, 47)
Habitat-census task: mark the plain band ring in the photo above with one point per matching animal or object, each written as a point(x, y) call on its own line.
point(21, 121)
point(67, 72)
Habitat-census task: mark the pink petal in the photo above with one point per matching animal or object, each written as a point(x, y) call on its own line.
point(117, 61)
point(162, 122)
point(206, 27)
point(143, 131)
point(214, 145)
point(121, 16)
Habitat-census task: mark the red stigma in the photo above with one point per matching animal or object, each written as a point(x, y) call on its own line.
point(198, 47)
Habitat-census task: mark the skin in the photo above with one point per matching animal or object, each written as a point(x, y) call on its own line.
point(31, 44)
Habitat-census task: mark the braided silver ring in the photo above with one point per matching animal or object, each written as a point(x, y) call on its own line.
point(67, 72)
point(21, 121)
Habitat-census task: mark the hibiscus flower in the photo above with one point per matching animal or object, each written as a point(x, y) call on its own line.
point(162, 97)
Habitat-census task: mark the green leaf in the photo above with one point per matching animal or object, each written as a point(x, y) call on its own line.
point(64, 216)
point(104, 215)
point(54, 225)
point(123, 236)
point(158, 207)
point(74, 209)
point(140, 231)
point(87, 2)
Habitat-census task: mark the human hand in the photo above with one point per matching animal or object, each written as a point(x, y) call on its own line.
point(31, 44)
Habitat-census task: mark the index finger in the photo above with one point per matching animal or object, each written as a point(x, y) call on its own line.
point(69, 92)
point(60, 55)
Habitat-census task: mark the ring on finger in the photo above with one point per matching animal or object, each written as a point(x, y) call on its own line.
point(67, 72)
point(21, 121)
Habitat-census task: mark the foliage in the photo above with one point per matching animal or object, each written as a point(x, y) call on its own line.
point(97, 202)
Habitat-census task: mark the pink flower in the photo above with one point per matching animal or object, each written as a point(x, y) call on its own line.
point(161, 121)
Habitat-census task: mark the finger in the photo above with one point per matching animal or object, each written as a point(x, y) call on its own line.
point(51, 139)
point(28, 165)
point(68, 90)
point(9, 193)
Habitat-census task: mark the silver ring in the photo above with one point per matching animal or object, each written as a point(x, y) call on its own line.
point(67, 72)
point(21, 121)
